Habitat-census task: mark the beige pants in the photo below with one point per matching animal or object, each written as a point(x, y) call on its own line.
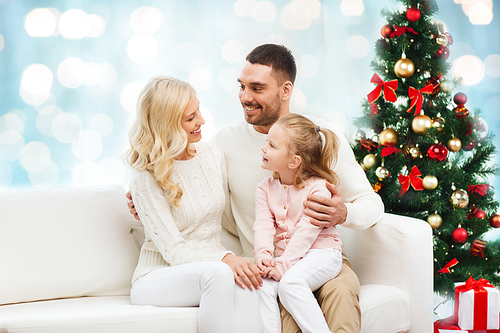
point(339, 301)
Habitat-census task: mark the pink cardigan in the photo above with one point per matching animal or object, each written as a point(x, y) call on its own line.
point(279, 219)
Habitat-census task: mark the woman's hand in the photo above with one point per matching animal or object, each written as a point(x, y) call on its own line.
point(131, 206)
point(245, 272)
point(326, 212)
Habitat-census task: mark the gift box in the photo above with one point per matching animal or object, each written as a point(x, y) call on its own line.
point(447, 325)
point(476, 305)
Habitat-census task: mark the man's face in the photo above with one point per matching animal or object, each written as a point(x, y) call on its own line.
point(260, 95)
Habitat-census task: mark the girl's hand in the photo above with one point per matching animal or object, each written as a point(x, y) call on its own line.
point(273, 273)
point(263, 263)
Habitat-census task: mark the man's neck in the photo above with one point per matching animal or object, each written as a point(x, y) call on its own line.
point(265, 129)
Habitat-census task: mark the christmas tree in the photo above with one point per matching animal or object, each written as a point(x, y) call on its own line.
point(426, 154)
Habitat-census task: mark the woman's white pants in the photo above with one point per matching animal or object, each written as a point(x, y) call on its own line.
point(223, 305)
point(295, 291)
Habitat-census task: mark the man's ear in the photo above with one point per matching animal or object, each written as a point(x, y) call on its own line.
point(294, 162)
point(287, 89)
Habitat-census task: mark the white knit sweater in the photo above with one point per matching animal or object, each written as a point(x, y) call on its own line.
point(193, 232)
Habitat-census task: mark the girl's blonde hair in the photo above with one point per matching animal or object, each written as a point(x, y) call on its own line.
point(156, 136)
point(317, 148)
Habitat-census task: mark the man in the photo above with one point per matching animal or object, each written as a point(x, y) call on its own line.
point(266, 85)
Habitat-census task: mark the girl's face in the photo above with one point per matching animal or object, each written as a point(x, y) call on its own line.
point(276, 156)
point(192, 120)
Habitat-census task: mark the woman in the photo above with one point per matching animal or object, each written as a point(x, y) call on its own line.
point(178, 186)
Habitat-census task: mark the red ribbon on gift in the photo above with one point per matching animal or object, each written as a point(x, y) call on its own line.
point(387, 88)
point(480, 300)
point(416, 97)
point(412, 179)
point(446, 268)
point(479, 189)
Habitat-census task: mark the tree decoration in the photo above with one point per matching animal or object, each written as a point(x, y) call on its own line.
point(438, 123)
point(478, 247)
point(446, 268)
point(443, 53)
point(447, 86)
point(387, 30)
point(442, 40)
point(359, 135)
point(430, 182)
point(454, 144)
point(412, 179)
point(494, 220)
point(387, 88)
point(412, 151)
point(435, 220)
point(382, 173)
point(404, 67)
point(459, 235)
point(421, 123)
point(399, 31)
point(388, 137)
point(459, 198)
point(476, 213)
point(417, 98)
point(461, 112)
point(437, 152)
point(370, 161)
point(460, 98)
point(413, 14)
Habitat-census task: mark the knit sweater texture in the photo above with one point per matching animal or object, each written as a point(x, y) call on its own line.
point(193, 232)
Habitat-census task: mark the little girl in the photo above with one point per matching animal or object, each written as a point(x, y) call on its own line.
point(301, 156)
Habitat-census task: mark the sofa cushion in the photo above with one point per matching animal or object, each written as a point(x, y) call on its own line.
point(108, 314)
point(384, 309)
point(65, 242)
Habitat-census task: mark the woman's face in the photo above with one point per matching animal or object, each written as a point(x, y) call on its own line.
point(192, 120)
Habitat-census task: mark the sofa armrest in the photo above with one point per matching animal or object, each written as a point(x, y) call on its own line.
point(397, 251)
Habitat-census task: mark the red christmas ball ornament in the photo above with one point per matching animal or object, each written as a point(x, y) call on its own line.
point(387, 30)
point(460, 98)
point(413, 14)
point(494, 220)
point(471, 145)
point(459, 235)
point(437, 152)
point(477, 214)
point(443, 52)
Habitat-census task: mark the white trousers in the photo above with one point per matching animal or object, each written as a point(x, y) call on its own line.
point(224, 307)
point(295, 290)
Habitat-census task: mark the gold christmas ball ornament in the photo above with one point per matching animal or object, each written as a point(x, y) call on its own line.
point(459, 198)
point(412, 151)
point(421, 123)
point(404, 68)
point(454, 144)
point(369, 161)
point(388, 137)
point(430, 182)
point(438, 123)
point(447, 86)
point(382, 173)
point(435, 220)
point(442, 40)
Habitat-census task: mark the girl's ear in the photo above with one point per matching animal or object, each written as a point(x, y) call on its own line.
point(294, 162)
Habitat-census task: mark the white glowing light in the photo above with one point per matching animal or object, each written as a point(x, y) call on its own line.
point(40, 22)
point(113, 171)
point(200, 79)
point(186, 54)
point(87, 146)
point(146, 20)
point(72, 72)
point(468, 4)
point(74, 24)
point(66, 127)
point(352, 7)
point(264, 11)
point(130, 96)
point(308, 65)
point(5, 174)
point(11, 122)
point(480, 14)
point(492, 64)
point(102, 124)
point(358, 47)
point(102, 74)
point(299, 14)
point(11, 143)
point(46, 177)
point(470, 68)
point(244, 8)
point(36, 83)
point(299, 101)
point(227, 79)
point(142, 48)
point(2, 42)
point(87, 173)
point(233, 51)
point(45, 119)
point(207, 130)
point(35, 156)
point(97, 25)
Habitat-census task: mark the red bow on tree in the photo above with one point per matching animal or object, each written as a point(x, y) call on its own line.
point(398, 31)
point(446, 268)
point(479, 189)
point(389, 150)
point(373, 108)
point(412, 179)
point(416, 97)
point(387, 87)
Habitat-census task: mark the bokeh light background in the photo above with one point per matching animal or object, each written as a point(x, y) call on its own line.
point(70, 71)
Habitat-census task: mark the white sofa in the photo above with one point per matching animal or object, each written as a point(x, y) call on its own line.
point(67, 255)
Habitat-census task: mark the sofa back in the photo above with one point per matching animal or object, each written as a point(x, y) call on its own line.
point(67, 241)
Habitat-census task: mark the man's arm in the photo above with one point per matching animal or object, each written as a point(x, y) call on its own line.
point(326, 212)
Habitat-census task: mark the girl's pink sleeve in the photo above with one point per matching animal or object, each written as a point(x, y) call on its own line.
point(263, 227)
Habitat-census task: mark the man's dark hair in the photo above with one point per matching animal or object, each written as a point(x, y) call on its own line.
point(278, 57)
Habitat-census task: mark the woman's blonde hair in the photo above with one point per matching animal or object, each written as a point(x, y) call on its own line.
point(156, 136)
point(317, 148)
